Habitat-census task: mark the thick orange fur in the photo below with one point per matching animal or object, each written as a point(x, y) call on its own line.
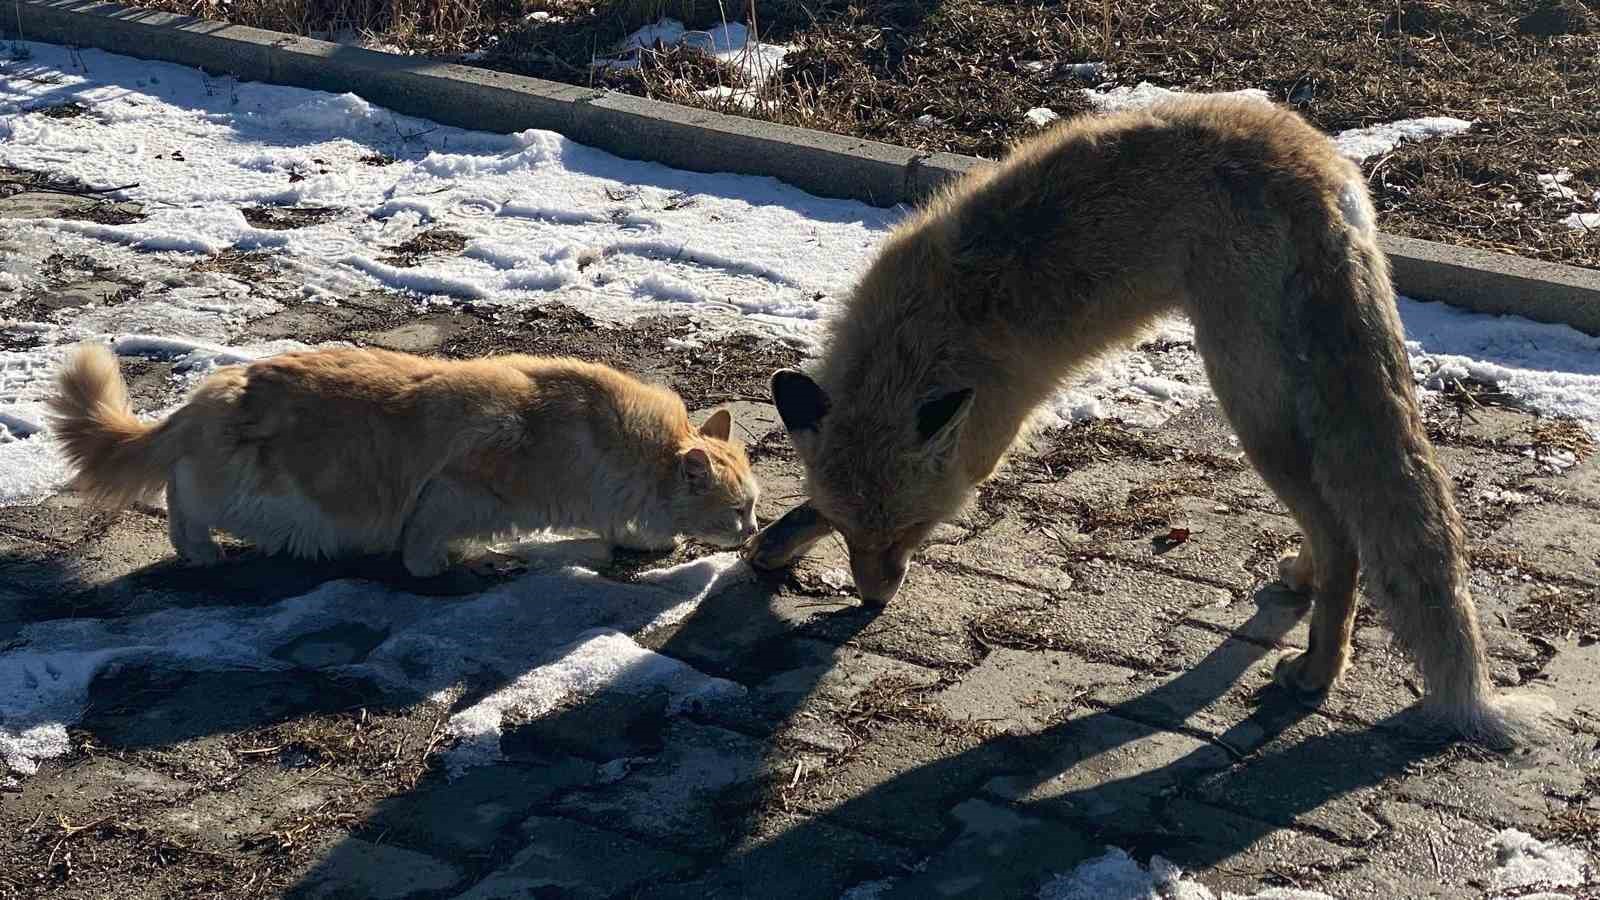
point(332, 452)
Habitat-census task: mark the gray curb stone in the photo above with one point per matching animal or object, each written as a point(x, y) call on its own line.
point(823, 164)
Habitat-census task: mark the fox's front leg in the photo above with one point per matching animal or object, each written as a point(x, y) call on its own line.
point(787, 539)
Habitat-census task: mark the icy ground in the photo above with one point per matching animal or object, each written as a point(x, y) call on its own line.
point(1522, 861)
point(544, 220)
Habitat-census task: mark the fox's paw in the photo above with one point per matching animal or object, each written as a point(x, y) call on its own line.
point(1294, 571)
point(1306, 675)
point(785, 540)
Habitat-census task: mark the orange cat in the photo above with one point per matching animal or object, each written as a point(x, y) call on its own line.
point(332, 452)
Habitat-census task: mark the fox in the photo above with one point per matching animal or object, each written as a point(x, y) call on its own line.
point(1243, 216)
point(333, 452)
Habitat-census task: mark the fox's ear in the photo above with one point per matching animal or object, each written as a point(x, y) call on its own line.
point(801, 402)
point(940, 420)
point(719, 426)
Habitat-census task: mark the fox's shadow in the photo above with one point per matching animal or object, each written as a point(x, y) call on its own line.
point(560, 772)
point(741, 849)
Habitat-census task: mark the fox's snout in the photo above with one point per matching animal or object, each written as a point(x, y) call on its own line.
point(879, 573)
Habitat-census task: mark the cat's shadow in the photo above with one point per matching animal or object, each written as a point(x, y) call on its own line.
point(246, 575)
point(192, 660)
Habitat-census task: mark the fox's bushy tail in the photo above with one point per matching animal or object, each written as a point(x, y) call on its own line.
point(118, 459)
point(1379, 472)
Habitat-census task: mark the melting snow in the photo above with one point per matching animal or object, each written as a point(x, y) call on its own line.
point(729, 42)
point(1555, 185)
point(1117, 876)
point(1144, 93)
point(530, 204)
point(547, 637)
point(1357, 143)
point(1551, 368)
point(1582, 221)
point(1041, 116)
point(1363, 143)
point(1522, 860)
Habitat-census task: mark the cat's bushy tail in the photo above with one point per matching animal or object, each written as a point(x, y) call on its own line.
point(118, 458)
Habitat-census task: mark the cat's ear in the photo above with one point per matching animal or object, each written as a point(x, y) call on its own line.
point(719, 426)
point(696, 468)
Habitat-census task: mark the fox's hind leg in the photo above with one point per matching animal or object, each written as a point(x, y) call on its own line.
point(1298, 571)
point(1374, 466)
point(1327, 566)
point(1256, 386)
point(188, 518)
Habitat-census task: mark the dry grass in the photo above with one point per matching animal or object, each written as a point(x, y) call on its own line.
point(1561, 614)
point(443, 25)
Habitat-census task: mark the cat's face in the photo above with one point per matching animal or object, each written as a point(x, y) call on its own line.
point(717, 499)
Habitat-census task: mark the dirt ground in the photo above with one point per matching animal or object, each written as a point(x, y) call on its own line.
point(958, 75)
point(1060, 674)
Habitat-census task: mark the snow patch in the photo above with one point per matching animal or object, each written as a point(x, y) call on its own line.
point(1360, 144)
point(603, 660)
point(665, 287)
point(418, 280)
point(1554, 185)
point(1041, 116)
point(1553, 369)
point(729, 42)
point(538, 642)
point(1144, 94)
point(245, 144)
point(188, 353)
point(1118, 876)
point(1356, 143)
point(1522, 860)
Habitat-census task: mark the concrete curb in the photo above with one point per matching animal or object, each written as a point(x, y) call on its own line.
point(823, 164)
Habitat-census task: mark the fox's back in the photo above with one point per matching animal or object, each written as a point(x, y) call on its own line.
point(1126, 192)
